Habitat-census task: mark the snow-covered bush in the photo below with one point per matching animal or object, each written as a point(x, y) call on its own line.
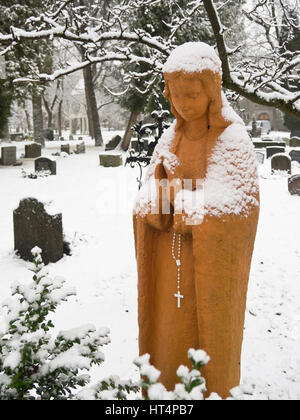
point(36, 365)
point(191, 386)
point(33, 364)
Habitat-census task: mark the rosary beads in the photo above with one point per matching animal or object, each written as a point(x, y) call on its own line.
point(177, 259)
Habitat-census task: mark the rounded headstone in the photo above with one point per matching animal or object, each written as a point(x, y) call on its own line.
point(281, 162)
point(295, 155)
point(294, 184)
point(33, 226)
point(45, 164)
point(295, 142)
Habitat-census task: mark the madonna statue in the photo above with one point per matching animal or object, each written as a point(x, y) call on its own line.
point(195, 221)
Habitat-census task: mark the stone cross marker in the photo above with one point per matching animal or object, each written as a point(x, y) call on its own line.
point(33, 150)
point(260, 158)
point(294, 184)
point(8, 155)
point(45, 164)
point(295, 155)
point(33, 226)
point(272, 150)
point(281, 162)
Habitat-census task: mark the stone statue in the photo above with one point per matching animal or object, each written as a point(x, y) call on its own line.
point(195, 221)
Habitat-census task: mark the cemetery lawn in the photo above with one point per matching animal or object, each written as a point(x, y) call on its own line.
point(97, 221)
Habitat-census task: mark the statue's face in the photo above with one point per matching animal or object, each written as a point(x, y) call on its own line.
point(188, 97)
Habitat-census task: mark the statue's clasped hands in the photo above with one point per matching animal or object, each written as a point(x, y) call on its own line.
point(167, 193)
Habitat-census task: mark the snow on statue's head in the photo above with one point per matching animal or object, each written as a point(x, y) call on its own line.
point(197, 60)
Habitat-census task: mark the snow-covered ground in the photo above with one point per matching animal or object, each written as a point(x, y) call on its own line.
point(96, 204)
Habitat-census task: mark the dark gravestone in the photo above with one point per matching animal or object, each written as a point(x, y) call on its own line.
point(295, 155)
point(33, 226)
point(108, 160)
point(263, 144)
point(8, 155)
point(48, 134)
point(281, 162)
point(134, 145)
point(273, 150)
point(17, 136)
point(65, 148)
point(260, 158)
point(113, 143)
point(45, 164)
point(80, 148)
point(295, 142)
point(33, 151)
point(294, 185)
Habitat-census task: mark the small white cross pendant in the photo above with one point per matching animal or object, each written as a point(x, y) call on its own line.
point(178, 296)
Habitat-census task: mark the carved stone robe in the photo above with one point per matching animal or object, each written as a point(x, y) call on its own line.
point(216, 255)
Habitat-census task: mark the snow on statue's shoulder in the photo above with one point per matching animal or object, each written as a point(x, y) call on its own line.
point(193, 57)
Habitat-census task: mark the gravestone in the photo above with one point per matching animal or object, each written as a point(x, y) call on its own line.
point(113, 143)
point(273, 150)
point(33, 151)
point(281, 162)
point(260, 158)
point(17, 136)
point(295, 155)
point(294, 184)
point(65, 148)
point(259, 144)
point(8, 155)
point(295, 142)
point(48, 134)
point(134, 145)
point(33, 226)
point(110, 160)
point(45, 164)
point(80, 148)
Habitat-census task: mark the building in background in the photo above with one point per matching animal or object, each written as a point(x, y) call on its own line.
point(250, 110)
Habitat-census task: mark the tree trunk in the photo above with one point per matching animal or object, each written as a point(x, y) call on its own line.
point(128, 133)
point(92, 108)
point(28, 122)
point(37, 114)
point(49, 112)
point(59, 118)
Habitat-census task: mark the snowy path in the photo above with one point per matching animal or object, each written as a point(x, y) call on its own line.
point(102, 266)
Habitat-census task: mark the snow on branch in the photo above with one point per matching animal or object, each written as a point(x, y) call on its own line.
point(259, 74)
point(261, 78)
